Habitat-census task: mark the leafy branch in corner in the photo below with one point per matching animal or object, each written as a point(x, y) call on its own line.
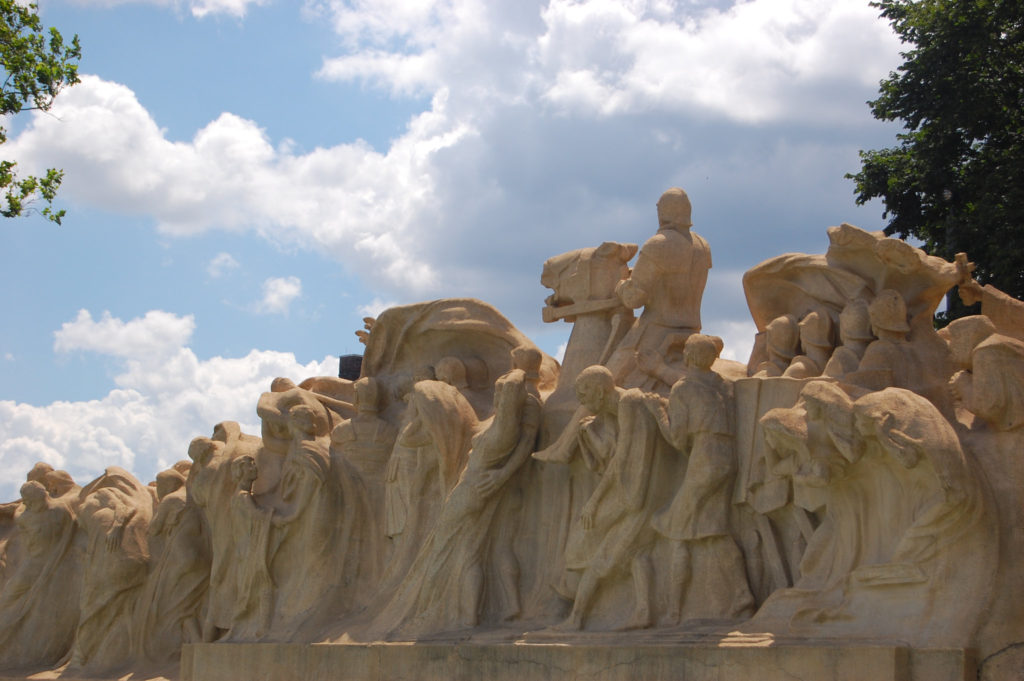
point(36, 65)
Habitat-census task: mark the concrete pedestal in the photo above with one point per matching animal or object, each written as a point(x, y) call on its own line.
point(721, 661)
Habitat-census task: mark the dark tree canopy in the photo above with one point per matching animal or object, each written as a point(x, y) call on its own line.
point(36, 65)
point(956, 179)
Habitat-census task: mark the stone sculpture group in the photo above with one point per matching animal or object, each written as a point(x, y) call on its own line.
point(858, 479)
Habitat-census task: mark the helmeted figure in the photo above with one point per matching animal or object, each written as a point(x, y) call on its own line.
point(668, 282)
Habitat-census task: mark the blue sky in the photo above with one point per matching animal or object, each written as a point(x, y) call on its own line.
point(246, 180)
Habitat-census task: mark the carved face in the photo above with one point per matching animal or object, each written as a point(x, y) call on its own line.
point(245, 470)
point(592, 395)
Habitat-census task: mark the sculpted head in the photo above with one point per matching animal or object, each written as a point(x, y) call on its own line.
point(965, 334)
point(816, 330)
point(888, 312)
point(33, 494)
point(452, 371)
point(594, 385)
point(783, 335)
point(700, 351)
point(39, 471)
point(201, 450)
point(510, 388)
point(528, 359)
point(854, 323)
point(820, 397)
point(674, 209)
point(168, 482)
point(367, 395)
point(244, 471)
point(59, 483)
point(307, 420)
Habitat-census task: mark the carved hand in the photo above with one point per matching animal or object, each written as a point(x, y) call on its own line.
point(488, 483)
point(114, 537)
point(587, 517)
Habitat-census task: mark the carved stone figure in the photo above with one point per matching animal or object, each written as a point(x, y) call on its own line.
point(990, 383)
point(427, 461)
point(668, 282)
point(168, 610)
point(816, 341)
point(782, 338)
point(462, 568)
point(904, 509)
point(254, 589)
point(854, 335)
point(210, 486)
point(864, 498)
point(321, 549)
point(698, 424)
point(39, 599)
point(115, 512)
point(890, 360)
point(365, 441)
point(613, 532)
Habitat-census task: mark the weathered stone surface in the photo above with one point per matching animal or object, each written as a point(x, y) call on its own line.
point(847, 505)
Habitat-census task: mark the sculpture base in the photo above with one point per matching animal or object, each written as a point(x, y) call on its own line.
point(739, 660)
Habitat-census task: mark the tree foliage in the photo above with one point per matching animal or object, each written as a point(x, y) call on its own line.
point(37, 64)
point(956, 178)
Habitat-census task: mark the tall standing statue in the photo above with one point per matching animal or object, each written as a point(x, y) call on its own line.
point(168, 610)
point(250, 524)
point(425, 464)
point(699, 424)
point(461, 562)
point(668, 282)
point(365, 442)
point(39, 601)
point(613, 532)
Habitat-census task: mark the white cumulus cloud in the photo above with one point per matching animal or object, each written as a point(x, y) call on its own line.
point(156, 334)
point(278, 294)
point(221, 264)
point(231, 177)
point(551, 125)
point(162, 400)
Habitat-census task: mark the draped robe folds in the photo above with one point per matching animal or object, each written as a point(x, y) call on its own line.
point(114, 572)
point(700, 410)
point(454, 558)
point(254, 589)
point(621, 524)
point(908, 531)
point(321, 534)
point(427, 460)
point(39, 600)
point(178, 580)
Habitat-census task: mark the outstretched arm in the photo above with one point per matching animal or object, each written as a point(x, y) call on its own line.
point(564, 449)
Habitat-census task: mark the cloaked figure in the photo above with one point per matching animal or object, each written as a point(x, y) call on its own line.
point(39, 600)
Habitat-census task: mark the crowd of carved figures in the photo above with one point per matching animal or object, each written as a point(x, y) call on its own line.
point(859, 477)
